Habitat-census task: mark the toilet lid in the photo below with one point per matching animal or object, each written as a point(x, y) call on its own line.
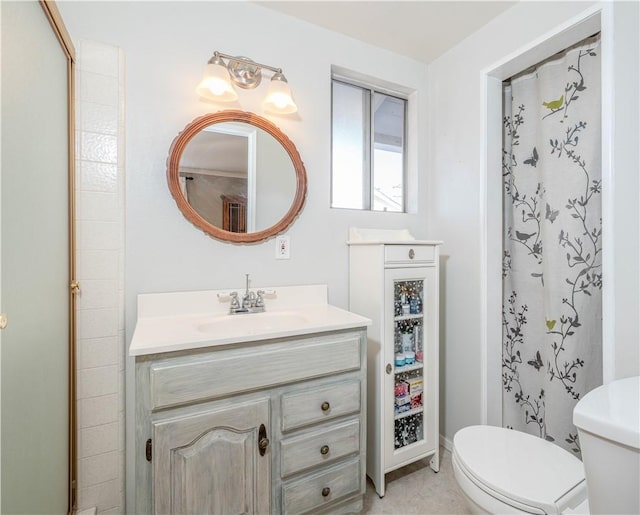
point(518, 466)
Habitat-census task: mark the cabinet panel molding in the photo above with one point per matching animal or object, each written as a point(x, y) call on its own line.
point(198, 459)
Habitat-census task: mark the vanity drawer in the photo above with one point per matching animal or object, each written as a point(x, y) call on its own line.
point(409, 254)
point(324, 403)
point(217, 374)
point(318, 490)
point(319, 447)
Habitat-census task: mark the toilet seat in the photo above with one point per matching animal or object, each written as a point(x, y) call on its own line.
point(520, 470)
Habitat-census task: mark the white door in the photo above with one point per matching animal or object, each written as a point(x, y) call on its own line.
point(35, 264)
point(213, 462)
point(408, 404)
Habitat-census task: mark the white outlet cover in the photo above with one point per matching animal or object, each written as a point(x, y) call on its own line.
point(283, 247)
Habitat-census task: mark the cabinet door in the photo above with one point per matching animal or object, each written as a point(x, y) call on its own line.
point(209, 462)
point(409, 383)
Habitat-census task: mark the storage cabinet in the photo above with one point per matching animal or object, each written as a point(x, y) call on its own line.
point(275, 426)
point(395, 283)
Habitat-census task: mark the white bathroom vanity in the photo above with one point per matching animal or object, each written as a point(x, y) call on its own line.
point(249, 413)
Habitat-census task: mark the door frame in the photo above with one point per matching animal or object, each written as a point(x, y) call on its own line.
point(57, 24)
point(595, 19)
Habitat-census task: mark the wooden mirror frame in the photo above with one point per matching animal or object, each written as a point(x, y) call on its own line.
point(173, 168)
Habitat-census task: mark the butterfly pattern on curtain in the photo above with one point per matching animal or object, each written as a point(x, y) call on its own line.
point(552, 243)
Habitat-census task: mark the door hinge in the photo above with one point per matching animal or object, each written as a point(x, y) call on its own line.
point(74, 496)
point(148, 449)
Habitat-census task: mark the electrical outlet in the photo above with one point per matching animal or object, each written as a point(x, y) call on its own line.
point(283, 247)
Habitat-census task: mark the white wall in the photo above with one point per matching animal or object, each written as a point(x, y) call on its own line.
point(454, 200)
point(166, 45)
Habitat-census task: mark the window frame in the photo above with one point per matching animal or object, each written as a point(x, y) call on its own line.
point(368, 148)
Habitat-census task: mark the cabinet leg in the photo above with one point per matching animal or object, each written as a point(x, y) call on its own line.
point(435, 463)
point(378, 484)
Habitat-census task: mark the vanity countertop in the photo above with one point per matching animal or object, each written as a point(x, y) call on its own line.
point(169, 322)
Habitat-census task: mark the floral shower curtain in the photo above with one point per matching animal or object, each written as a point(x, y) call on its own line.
point(552, 243)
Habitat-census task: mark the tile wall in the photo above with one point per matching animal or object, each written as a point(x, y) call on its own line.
point(100, 271)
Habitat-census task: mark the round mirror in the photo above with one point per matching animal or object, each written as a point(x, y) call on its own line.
point(236, 176)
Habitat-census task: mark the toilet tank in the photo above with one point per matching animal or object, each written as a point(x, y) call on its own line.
point(608, 422)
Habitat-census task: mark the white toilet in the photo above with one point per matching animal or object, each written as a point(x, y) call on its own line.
point(504, 471)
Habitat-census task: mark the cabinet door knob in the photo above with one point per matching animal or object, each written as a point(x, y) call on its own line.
point(326, 491)
point(324, 450)
point(389, 368)
point(412, 253)
point(325, 406)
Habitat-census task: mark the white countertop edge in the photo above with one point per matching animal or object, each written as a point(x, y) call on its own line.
point(221, 342)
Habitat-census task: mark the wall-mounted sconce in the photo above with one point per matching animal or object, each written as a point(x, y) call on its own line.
point(219, 77)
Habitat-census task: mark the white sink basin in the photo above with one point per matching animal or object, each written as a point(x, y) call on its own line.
point(181, 321)
point(252, 323)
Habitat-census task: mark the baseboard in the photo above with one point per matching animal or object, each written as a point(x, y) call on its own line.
point(88, 511)
point(446, 443)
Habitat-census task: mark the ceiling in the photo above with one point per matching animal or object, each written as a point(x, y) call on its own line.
point(422, 30)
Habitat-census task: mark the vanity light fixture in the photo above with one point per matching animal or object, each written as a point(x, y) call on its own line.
point(219, 78)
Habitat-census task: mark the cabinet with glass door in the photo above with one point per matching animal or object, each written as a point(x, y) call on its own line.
point(401, 298)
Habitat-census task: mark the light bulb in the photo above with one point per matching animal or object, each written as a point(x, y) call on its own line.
point(216, 83)
point(279, 98)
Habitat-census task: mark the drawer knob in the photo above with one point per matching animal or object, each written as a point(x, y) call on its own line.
point(412, 253)
point(326, 491)
point(389, 368)
point(324, 450)
point(325, 406)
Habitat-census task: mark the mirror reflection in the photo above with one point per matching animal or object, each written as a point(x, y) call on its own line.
point(237, 177)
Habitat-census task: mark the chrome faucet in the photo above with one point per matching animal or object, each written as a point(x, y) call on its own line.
point(251, 302)
point(248, 299)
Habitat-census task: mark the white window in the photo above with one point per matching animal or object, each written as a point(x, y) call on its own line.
point(368, 169)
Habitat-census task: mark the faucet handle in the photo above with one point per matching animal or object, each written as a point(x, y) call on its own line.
point(233, 296)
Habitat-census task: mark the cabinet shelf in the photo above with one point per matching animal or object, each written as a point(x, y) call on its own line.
point(405, 414)
point(408, 368)
point(399, 318)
